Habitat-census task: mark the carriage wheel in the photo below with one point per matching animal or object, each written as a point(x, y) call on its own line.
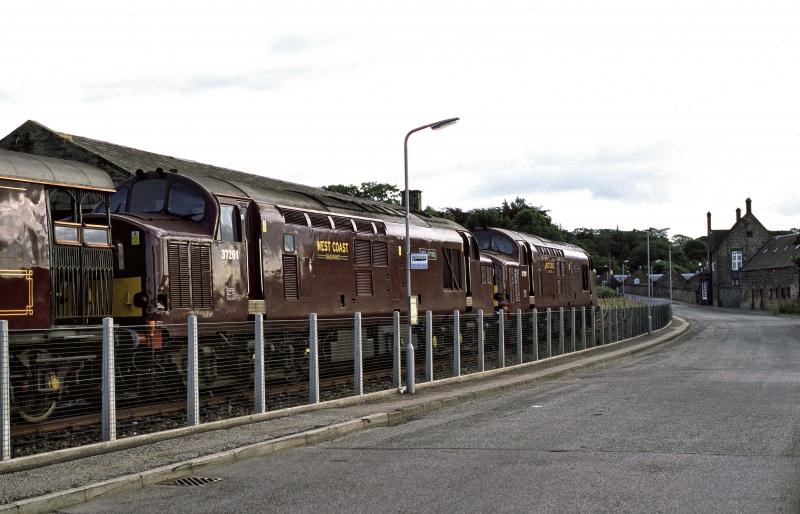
point(37, 389)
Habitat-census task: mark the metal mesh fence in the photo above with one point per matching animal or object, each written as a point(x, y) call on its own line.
point(150, 378)
point(336, 358)
point(377, 339)
point(55, 384)
point(286, 363)
point(56, 376)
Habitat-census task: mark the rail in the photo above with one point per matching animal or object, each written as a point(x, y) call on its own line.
point(73, 386)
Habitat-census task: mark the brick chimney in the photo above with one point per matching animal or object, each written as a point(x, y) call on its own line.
point(749, 204)
point(738, 214)
point(414, 200)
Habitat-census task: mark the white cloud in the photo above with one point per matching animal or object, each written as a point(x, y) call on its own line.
point(613, 113)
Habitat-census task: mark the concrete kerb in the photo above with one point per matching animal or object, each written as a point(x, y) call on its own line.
point(137, 481)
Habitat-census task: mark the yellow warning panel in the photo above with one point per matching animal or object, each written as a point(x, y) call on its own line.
point(124, 289)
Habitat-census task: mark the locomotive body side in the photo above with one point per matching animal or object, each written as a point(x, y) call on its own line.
point(535, 272)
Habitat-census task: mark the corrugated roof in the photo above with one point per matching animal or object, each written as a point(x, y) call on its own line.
point(39, 169)
point(777, 253)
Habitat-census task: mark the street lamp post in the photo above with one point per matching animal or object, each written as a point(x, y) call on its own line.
point(623, 277)
point(410, 347)
point(649, 278)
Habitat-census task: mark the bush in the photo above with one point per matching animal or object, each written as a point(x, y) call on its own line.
point(606, 292)
point(789, 308)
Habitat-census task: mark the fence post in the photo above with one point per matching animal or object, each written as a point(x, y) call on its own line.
point(481, 361)
point(5, 395)
point(501, 340)
point(616, 325)
point(259, 378)
point(411, 385)
point(192, 376)
point(519, 336)
point(313, 359)
point(396, 350)
point(583, 328)
point(549, 331)
point(594, 326)
point(572, 331)
point(535, 325)
point(358, 356)
point(561, 330)
point(429, 346)
point(602, 327)
point(108, 424)
point(456, 344)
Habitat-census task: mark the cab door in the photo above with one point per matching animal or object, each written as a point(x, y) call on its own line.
point(230, 265)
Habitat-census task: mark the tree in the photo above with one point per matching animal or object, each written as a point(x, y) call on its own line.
point(376, 191)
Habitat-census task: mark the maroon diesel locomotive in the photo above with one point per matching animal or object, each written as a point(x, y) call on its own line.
point(530, 271)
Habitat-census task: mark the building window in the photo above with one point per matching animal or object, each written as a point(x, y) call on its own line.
point(735, 282)
point(704, 290)
point(749, 233)
point(736, 260)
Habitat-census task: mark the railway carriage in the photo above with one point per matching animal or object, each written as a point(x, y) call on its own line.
point(55, 272)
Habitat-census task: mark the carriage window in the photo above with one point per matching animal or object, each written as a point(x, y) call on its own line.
point(185, 202)
point(148, 195)
point(92, 202)
point(62, 206)
point(119, 200)
point(229, 224)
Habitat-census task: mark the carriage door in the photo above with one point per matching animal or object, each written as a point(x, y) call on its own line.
point(255, 275)
point(529, 256)
point(81, 263)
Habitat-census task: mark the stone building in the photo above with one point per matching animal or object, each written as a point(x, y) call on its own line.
point(771, 276)
point(728, 251)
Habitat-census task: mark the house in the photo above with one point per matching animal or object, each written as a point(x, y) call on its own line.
point(728, 251)
point(772, 276)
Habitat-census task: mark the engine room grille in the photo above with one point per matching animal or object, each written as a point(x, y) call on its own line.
point(364, 282)
point(189, 275)
point(380, 253)
point(362, 252)
point(291, 286)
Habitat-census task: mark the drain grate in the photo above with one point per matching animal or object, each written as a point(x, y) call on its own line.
point(193, 481)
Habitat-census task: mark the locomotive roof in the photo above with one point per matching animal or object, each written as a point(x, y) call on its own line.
point(568, 248)
point(46, 170)
point(228, 182)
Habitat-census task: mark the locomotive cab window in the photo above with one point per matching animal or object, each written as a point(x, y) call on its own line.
point(186, 202)
point(119, 200)
point(229, 224)
point(148, 195)
point(288, 243)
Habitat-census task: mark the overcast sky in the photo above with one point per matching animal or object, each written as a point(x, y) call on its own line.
point(606, 113)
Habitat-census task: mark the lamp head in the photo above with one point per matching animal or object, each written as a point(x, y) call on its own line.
point(444, 123)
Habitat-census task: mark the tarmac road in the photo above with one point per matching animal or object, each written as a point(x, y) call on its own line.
point(710, 423)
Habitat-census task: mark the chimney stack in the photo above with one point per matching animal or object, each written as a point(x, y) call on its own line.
point(738, 214)
point(414, 200)
point(749, 204)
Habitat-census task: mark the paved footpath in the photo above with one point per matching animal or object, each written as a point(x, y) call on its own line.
point(709, 423)
point(24, 488)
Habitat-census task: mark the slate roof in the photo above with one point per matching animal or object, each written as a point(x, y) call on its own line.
point(777, 253)
point(225, 181)
point(39, 169)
